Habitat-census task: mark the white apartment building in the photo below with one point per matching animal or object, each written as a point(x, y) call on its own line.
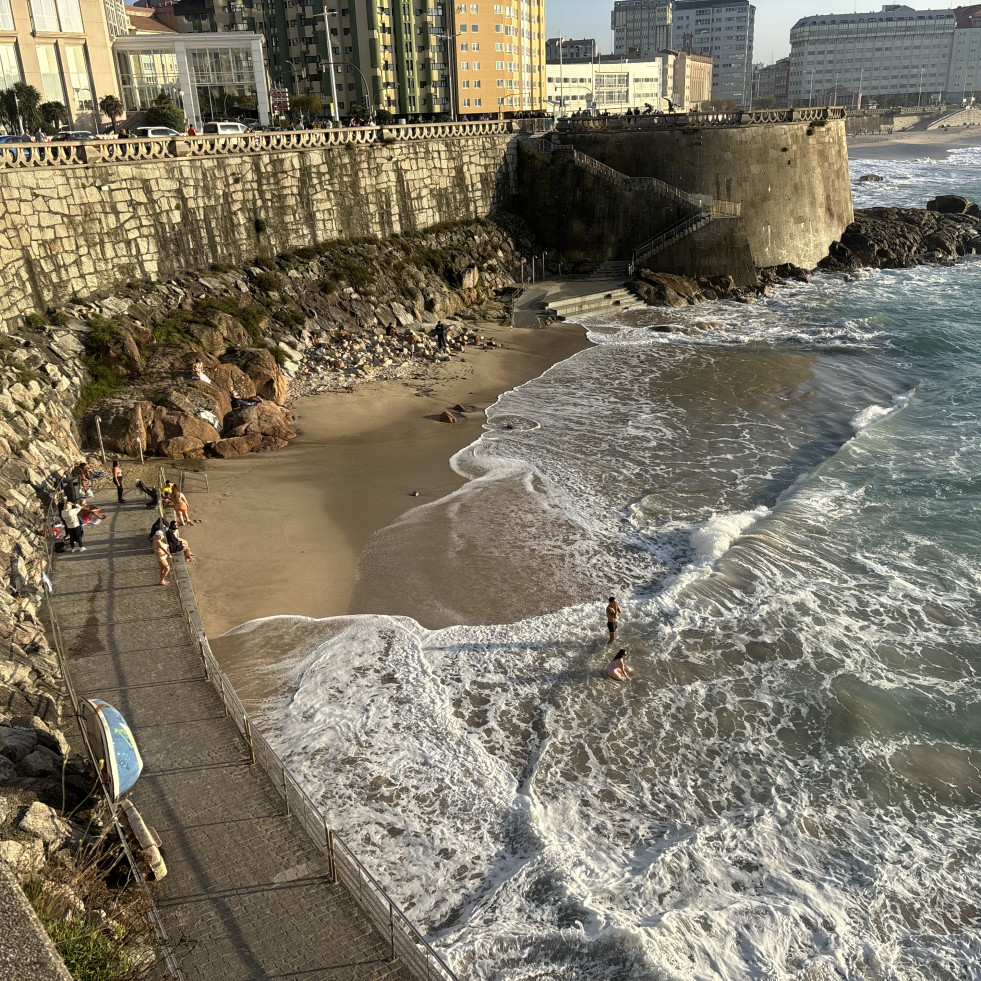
point(723, 29)
point(604, 86)
point(641, 28)
point(614, 85)
point(900, 55)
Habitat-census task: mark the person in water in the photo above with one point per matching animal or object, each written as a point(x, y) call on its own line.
point(617, 668)
point(613, 612)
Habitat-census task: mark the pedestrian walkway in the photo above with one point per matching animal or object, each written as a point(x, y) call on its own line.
point(247, 895)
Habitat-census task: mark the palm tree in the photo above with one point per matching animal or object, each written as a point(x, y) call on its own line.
point(19, 106)
point(53, 113)
point(112, 107)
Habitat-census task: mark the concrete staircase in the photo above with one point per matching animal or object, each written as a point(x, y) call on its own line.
point(611, 270)
point(593, 303)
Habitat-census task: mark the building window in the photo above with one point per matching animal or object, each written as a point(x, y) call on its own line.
point(6, 17)
point(78, 77)
point(44, 15)
point(70, 16)
point(9, 66)
point(51, 86)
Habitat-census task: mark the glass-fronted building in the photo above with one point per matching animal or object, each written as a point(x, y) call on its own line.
point(204, 74)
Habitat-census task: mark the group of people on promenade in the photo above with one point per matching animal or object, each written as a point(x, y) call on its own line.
point(163, 534)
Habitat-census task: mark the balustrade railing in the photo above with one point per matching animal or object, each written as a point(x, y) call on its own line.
point(93, 152)
point(695, 120)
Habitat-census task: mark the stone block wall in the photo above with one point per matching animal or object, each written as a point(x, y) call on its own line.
point(78, 230)
point(719, 248)
point(791, 179)
point(571, 209)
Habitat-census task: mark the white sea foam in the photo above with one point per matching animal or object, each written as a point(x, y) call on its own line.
point(788, 789)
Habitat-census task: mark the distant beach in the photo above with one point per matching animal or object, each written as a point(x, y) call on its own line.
point(913, 146)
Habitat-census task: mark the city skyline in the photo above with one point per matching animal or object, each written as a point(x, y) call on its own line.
point(774, 19)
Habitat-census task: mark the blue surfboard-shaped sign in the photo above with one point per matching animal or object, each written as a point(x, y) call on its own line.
point(112, 740)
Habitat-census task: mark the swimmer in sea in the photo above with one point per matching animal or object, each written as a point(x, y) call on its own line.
point(617, 668)
point(613, 612)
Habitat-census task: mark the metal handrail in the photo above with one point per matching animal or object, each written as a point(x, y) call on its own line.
point(58, 645)
point(676, 231)
point(415, 951)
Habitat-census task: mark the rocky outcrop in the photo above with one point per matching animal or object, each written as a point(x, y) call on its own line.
point(347, 311)
point(668, 290)
point(897, 238)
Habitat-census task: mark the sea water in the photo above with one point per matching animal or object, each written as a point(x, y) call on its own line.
point(785, 498)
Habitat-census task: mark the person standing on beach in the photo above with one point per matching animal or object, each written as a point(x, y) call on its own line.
point(117, 479)
point(179, 502)
point(163, 556)
point(613, 612)
point(441, 336)
point(617, 668)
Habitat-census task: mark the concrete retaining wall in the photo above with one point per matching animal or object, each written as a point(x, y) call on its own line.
point(720, 248)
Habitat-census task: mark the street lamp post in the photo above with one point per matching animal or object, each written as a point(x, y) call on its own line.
point(450, 58)
point(330, 66)
point(810, 101)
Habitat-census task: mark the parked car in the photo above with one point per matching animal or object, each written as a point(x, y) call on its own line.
point(224, 129)
point(155, 132)
point(73, 136)
point(8, 145)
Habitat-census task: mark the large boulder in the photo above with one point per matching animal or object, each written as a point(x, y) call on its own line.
point(236, 446)
point(264, 419)
point(181, 448)
point(952, 204)
point(666, 289)
point(41, 821)
point(260, 365)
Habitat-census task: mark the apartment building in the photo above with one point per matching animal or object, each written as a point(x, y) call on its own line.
point(898, 55)
point(723, 29)
point(467, 59)
point(62, 48)
point(672, 80)
point(772, 82)
point(641, 28)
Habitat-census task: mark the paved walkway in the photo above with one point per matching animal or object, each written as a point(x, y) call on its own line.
point(247, 894)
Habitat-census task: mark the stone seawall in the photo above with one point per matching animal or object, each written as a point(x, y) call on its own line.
point(791, 178)
point(77, 230)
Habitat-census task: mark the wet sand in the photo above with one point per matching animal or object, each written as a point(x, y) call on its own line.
point(280, 533)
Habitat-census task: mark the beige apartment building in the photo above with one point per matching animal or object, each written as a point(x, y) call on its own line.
point(62, 48)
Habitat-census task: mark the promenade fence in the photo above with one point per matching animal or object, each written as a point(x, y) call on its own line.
point(406, 942)
point(124, 151)
point(695, 120)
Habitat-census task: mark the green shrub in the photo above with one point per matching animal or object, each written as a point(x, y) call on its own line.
point(173, 329)
point(34, 321)
point(290, 317)
point(166, 115)
point(279, 354)
point(260, 225)
point(26, 375)
point(265, 262)
point(104, 382)
point(269, 282)
point(57, 318)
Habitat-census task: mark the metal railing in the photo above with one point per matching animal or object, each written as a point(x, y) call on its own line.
point(57, 643)
point(668, 237)
point(405, 941)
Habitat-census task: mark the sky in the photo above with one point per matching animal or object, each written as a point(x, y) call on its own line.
point(774, 18)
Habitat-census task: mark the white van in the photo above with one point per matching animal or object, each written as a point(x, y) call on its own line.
point(224, 129)
point(155, 132)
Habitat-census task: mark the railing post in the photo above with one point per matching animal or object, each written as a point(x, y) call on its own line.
point(248, 738)
point(332, 865)
point(221, 691)
point(286, 792)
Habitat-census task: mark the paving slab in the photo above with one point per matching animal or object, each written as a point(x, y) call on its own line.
point(247, 895)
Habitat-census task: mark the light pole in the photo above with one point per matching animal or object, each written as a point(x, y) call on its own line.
point(561, 76)
point(330, 65)
point(861, 78)
point(364, 82)
point(450, 59)
point(810, 101)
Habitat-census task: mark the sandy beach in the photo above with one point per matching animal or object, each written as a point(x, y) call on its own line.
point(912, 146)
point(280, 533)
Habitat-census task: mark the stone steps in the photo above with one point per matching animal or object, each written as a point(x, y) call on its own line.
point(594, 303)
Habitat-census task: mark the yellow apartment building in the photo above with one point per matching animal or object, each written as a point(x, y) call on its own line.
point(499, 57)
point(62, 48)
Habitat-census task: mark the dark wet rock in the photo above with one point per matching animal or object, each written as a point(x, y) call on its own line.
point(870, 178)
